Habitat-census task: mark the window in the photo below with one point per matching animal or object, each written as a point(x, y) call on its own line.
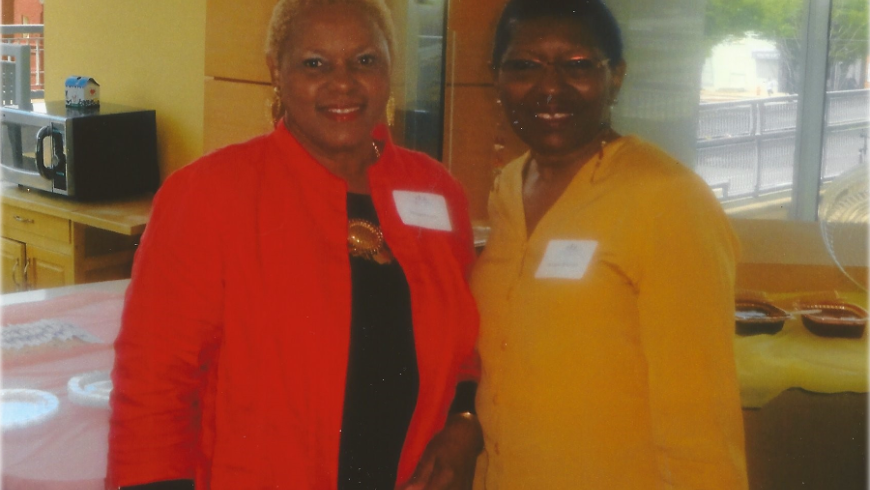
point(766, 99)
point(784, 103)
point(418, 74)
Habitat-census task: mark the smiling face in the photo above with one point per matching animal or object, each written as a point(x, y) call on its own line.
point(556, 85)
point(334, 79)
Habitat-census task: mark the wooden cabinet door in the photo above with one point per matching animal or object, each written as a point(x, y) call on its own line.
point(13, 256)
point(47, 269)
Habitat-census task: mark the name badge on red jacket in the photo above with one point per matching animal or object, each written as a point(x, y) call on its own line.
point(423, 209)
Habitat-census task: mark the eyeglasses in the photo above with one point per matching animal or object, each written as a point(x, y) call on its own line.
point(576, 69)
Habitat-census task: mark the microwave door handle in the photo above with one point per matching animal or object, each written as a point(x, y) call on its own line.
point(59, 155)
point(44, 132)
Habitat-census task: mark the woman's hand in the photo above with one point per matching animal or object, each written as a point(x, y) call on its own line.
point(449, 459)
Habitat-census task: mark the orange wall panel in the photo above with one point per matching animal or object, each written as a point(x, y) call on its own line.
point(471, 125)
point(235, 37)
point(470, 27)
point(235, 112)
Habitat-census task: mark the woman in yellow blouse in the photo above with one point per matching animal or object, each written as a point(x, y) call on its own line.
point(606, 288)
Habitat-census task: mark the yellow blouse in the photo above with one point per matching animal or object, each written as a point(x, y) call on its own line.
point(607, 335)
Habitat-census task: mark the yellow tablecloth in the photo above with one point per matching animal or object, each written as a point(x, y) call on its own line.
point(796, 358)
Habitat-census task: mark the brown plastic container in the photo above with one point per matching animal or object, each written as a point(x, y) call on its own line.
point(753, 317)
point(834, 319)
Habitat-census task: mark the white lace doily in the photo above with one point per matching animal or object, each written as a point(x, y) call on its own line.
point(25, 408)
point(42, 332)
point(90, 389)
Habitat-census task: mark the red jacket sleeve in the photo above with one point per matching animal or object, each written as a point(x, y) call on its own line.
point(170, 325)
point(465, 236)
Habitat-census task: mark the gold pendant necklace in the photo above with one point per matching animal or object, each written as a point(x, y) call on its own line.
point(365, 240)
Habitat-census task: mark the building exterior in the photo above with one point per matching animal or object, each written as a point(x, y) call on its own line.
point(28, 12)
point(22, 12)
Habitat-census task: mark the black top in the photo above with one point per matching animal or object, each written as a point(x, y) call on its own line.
point(382, 378)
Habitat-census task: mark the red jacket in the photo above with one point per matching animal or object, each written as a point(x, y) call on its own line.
point(231, 360)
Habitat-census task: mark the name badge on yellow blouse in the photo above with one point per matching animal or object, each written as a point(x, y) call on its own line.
point(566, 259)
point(423, 209)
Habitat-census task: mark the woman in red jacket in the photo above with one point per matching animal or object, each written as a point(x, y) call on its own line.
point(299, 315)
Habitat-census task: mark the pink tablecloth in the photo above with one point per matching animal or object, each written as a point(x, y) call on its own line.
point(67, 452)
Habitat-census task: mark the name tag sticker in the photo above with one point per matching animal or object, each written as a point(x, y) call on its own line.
point(423, 209)
point(566, 259)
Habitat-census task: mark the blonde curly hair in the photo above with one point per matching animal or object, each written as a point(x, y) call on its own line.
point(286, 11)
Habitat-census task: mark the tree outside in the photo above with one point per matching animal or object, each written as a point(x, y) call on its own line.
point(779, 21)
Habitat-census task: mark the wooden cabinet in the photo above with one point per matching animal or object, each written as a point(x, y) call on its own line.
point(49, 241)
point(30, 267)
point(13, 261)
point(47, 269)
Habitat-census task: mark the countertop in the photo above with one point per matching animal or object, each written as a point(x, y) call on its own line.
point(126, 216)
point(119, 286)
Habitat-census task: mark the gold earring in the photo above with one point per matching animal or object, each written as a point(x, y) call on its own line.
point(499, 143)
point(391, 111)
point(277, 106)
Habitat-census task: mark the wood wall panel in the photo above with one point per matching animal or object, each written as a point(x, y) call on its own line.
point(235, 37)
point(471, 116)
point(471, 122)
point(235, 112)
point(470, 27)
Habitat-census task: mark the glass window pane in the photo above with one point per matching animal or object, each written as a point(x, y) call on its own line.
point(847, 111)
point(418, 74)
point(843, 200)
point(748, 110)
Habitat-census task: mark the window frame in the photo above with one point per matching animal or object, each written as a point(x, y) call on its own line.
point(809, 133)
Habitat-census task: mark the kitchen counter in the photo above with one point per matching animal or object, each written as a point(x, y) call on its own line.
point(50, 241)
point(125, 216)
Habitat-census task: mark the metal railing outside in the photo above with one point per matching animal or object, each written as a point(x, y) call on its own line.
point(32, 35)
point(746, 148)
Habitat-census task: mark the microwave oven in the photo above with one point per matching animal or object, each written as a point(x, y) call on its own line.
point(84, 154)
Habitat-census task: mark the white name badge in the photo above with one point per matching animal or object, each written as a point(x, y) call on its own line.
point(423, 209)
point(566, 259)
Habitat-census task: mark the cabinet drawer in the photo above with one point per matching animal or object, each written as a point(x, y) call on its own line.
point(36, 223)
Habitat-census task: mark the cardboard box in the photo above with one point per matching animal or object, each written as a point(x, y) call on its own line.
point(82, 92)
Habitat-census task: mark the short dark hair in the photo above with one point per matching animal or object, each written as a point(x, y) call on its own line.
point(593, 13)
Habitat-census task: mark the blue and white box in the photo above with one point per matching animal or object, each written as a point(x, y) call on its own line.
point(82, 92)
